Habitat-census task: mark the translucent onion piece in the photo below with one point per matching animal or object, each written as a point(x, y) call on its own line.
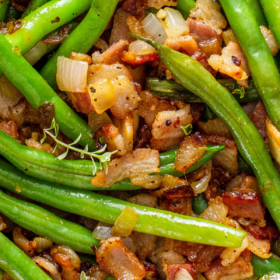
point(140, 48)
point(36, 53)
point(174, 23)
point(125, 222)
point(154, 27)
point(71, 75)
point(102, 95)
point(183, 274)
point(48, 266)
point(9, 90)
point(102, 231)
point(271, 276)
point(43, 243)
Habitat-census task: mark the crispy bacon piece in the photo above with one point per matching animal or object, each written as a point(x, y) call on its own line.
point(116, 259)
point(185, 44)
point(133, 7)
point(258, 117)
point(166, 144)
point(81, 101)
point(202, 59)
point(189, 152)
point(244, 205)
point(133, 59)
point(267, 232)
point(158, 4)
point(10, 127)
point(171, 269)
point(151, 271)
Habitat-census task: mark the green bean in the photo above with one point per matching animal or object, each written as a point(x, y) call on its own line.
point(18, 265)
point(243, 165)
point(83, 37)
point(265, 266)
point(257, 11)
point(184, 6)
point(172, 90)
point(199, 203)
point(207, 114)
point(272, 14)
point(37, 92)
point(192, 75)
point(32, 6)
point(107, 209)
point(168, 168)
point(44, 223)
point(4, 4)
point(260, 61)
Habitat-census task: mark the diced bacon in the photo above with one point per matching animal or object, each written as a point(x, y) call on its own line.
point(133, 7)
point(267, 232)
point(135, 26)
point(202, 59)
point(166, 144)
point(116, 259)
point(134, 59)
point(244, 205)
point(158, 4)
point(112, 55)
point(185, 44)
point(171, 270)
point(10, 127)
point(81, 101)
point(189, 152)
point(259, 247)
point(151, 271)
point(258, 117)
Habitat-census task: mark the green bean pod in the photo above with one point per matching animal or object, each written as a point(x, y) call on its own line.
point(32, 6)
point(44, 223)
point(192, 75)
point(172, 90)
point(37, 92)
point(107, 209)
point(184, 6)
point(4, 4)
point(265, 266)
point(83, 37)
point(18, 265)
point(257, 11)
point(199, 203)
point(272, 14)
point(260, 61)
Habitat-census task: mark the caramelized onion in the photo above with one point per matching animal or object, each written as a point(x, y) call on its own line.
point(22, 242)
point(43, 243)
point(49, 267)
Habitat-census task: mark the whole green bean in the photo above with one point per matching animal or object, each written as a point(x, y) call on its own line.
point(18, 265)
point(37, 92)
point(44, 223)
point(192, 75)
point(265, 266)
point(257, 11)
point(199, 203)
point(172, 90)
point(272, 14)
point(83, 37)
point(184, 6)
point(4, 4)
point(107, 209)
point(260, 61)
point(32, 6)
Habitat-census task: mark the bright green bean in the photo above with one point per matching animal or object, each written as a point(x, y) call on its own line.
point(107, 209)
point(4, 4)
point(199, 204)
point(257, 11)
point(18, 265)
point(83, 37)
point(37, 92)
point(32, 6)
point(265, 266)
point(184, 6)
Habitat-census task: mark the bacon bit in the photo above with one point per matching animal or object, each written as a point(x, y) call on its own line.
point(258, 117)
point(202, 59)
point(134, 59)
point(178, 192)
point(185, 44)
point(188, 249)
point(166, 144)
point(244, 205)
point(171, 270)
point(81, 57)
point(116, 259)
point(181, 206)
point(59, 38)
point(151, 271)
point(135, 26)
point(133, 7)
point(267, 232)
point(81, 101)
point(143, 137)
point(240, 269)
point(259, 247)
point(196, 110)
point(139, 162)
point(112, 55)
point(158, 4)
point(189, 152)
point(10, 127)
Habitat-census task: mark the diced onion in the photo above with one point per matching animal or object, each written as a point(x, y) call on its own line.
point(48, 266)
point(36, 53)
point(9, 90)
point(102, 95)
point(154, 27)
point(71, 75)
point(42, 243)
point(140, 48)
point(174, 23)
point(125, 222)
point(271, 276)
point(102, 231)
point(183, 274)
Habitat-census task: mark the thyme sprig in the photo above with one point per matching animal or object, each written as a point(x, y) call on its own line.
point(103, 158)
